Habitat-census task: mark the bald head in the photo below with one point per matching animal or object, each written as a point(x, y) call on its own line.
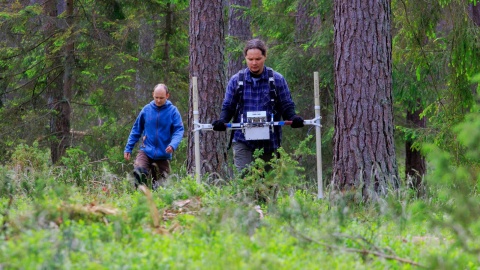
point(160, 94)
point(161, 86)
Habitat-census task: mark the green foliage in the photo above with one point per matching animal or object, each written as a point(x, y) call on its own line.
point(27, 158)
point(50, 216)
point(434, 60)
point(177, 164)
point(457, 184)
point(31, 184)
point(469, 136)
point(182, 189)
point(107, 142)
point(24, 174)
point(89, 228)
point(106, 221)
point(76, 167)
point(264, 181)
point(107, 56)
point(451, 173)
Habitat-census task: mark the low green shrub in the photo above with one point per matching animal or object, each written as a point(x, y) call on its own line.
point(455, 186)
point(84, 216)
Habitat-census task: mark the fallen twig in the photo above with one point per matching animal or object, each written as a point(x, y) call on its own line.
point(295, 232)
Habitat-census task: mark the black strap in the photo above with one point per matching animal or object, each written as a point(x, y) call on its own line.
point(239, 96)
point(273, 89)
point(239, 90)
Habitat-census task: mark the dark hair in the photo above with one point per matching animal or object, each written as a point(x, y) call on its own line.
point(255, 44)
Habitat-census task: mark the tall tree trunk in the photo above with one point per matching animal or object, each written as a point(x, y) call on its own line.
point(305, 23)
point(475, 13)
point(168, 34)
point(146, 43)
point(59, 102)
point(239, 32)
point(305, 27)
point(364, 153)
point(68, 79)
point(207, 52)
point(415, 167)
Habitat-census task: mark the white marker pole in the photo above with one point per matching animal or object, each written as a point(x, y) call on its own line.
point(196, 133)
point(318, 136)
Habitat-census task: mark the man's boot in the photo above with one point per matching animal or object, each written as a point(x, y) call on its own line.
point(140, 175)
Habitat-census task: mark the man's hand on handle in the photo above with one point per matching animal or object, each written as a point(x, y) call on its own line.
point(297, 122)
point(219, 125)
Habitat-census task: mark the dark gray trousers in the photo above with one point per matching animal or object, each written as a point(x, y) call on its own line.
point(243, 155)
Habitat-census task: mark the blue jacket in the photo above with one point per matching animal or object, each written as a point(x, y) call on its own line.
point(158, 127)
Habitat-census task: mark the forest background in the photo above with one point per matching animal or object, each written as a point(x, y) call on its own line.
point(74, 75)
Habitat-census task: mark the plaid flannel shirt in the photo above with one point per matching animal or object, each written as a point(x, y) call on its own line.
point(256, 97)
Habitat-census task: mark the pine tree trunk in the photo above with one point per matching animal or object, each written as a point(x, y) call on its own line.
point(68, 80)
point(305, 23)
point(239, 32)
point(143, 85)
point(364, 153)
point(58, 91)
point(415, 167)
point(475, 13)
point(207, 52)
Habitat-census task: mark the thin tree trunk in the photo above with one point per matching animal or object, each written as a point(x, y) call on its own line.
point(305, 24)
point(146, 43)
point(58, 101)
point(239, 32)
point(364, 153)
point(68, 79)
point(168, 34)
point(415, 167)
point(475, 13)
point(207, 52)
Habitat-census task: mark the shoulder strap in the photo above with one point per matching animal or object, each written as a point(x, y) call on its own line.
point(273, 89)
point(240, 86)
point(238, 95)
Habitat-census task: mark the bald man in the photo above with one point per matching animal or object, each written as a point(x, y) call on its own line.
point(160, 126)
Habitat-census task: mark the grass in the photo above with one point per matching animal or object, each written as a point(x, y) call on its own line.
point(85, 217)
point(197, 226)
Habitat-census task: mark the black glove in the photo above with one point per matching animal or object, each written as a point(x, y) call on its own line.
point(219, 125)
point(297, 122)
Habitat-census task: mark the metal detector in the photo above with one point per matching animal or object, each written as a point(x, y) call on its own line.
point(257, 127)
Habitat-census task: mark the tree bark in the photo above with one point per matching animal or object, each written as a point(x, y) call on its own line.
point(305, 23)
point(146, 43)
point(68, 78)
point(415, 167)
point(475, 13)
point(168, 33)
point(239, 31)
point(59, 101)
point(207, 52)
point(364, 153)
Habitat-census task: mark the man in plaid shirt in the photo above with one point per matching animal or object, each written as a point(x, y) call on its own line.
point(256, 97)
